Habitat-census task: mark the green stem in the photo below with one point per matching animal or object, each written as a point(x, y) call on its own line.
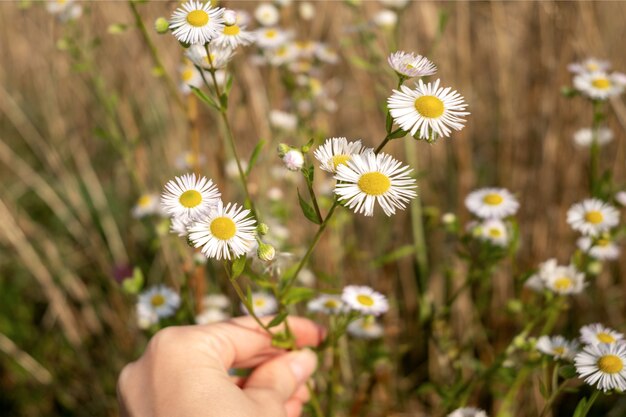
point(315, 403)
point(594, 152)
point(314, 199)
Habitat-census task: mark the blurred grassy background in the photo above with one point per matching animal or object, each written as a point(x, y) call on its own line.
point(82, 137)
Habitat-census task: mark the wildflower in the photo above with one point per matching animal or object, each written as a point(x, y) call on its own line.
point(592, 217)
point(189, 160)
point(558, 347)
point(367, 179)
point(364, 300)
point(491, 203)
point(179, 225)
point(196, 22)
point(283, 54)
point(293, 160)
point(263, 304)
point(146, 316)
point(589, 65)
point(599, 85)
point(365, 328)
point(428, 109)
point(603, 248)
point(161, 25)
point(327, 304)
point(585, 137)
point(596, 333)
point(146, 205)
point(226, 233)
point(494, 231)
point(558, 279)
point(468, 412)
point(306, 277)
point(266, 14)
point(335, 152)
point(161, 300)
point(603, 366)
point(233, 36)
point(65, 10)
point(190, 77)
point(306, 11)
point(216, 301)
point(266, 252)
point(385, 19)
point(211, 315)
point(271, 38)
point(230, 17)
point(326, 54)
point(283, 120)
point(219, 56)
point(409, 65)
point(189, 197)
point(620, 197)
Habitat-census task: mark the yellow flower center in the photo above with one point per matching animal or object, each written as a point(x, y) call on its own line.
point(223, 228)
point(190, 198)
point(144, 201)
point(207, 61)
point(157, 300)
point(592, 67)
point(605, 338)
point(601, 83)
point(493, 199)
point(259, 302)
point(374, 183)
point(190, 159)
point(429, 106)
point(198, 18)
point(340, 159)
point(187, 74)
point(495, 232)
point(563, 283)
point(559, 350)
point(602, 242)
point(331, 304)
point(366, 300)
point(610, 364)
point(231, 30)
point(270, 33)
point(594, 217)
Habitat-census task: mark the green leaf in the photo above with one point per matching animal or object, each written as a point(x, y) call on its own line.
point(278, 319)
point(297, 294)
point(309, 174)
point(229, 83)
point(255, 155)
point(389, 122)
point(282, 340)
point(308, 210)
point(398, 134)
point(401, 252)
point(202, 96)
point(239, 265)
point(567, 371)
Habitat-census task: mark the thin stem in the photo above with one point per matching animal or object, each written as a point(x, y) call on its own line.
point(314, 199)
point(315, 403)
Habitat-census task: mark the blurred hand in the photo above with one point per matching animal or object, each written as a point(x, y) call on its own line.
point(184, 372)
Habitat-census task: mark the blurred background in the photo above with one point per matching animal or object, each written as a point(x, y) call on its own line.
point(88, 125)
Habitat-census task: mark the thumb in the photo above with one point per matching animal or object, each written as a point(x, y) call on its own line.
point(272, 384)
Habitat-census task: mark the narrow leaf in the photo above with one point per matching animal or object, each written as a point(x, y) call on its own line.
point(278, 319)
point(205, 98)
point(239, 265)
point(298, 294)
point(255, 155)
point(308, 210)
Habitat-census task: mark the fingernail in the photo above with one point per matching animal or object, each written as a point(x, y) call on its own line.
point(302, 364)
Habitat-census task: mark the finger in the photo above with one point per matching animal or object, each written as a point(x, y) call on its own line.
point(302, 394)
point(275, 382)
point(293, 408)
point(242, 343)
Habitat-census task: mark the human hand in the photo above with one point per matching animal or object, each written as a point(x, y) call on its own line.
point(184, 372)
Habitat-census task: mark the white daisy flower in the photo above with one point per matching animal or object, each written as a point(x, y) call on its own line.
point(589, 65)
point(327, 304)
point(410, 65)
point(283, 120)
point(146, 317)
point(306, 277)
point(283, 54)
point(266, 14)
point(162, 300)
point(196, 22)
point(335, 152)
point(494, 231)
point(564, 280)
point(65, 10)
point(271, 37)
point(364, 300)
point(620, 197)
point(147, 205)
point(558, 347)
point(603, 248)
point(368, 178)
point(275, 194)
point(596, 333)
point(491, 203)
point(226, 233)
point(219, 58)
point(234, 36)
point(592, 217)
point(293, 160)
point(584, 137)
point(230, 17)
point(365, 328)
point(189, 197)
point(468, 412)
point(599, 85)
point(188, 160)
point(263, 304)
point(178, 226)
point(429, 109)
point(189, 77)
point(603, 366)
point(212, 315)
point(385, 19)
point(219, 301)
point(243, 17)
point(326, 54)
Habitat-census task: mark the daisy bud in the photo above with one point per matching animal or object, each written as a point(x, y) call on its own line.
point(294, 160)
point(266, 252)
point(262, 229)
point(230, 17)
point(448, 219)
point(161, 25)
point(594, 268)
point(307, 11)
point(283, 148)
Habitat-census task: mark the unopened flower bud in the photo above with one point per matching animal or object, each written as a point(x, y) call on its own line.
point(262, 229)
point(294, 160)
point(266, 252)
point(448, 219)
point(283, 148)
point(161, 25)
point(594, 268)
point(230, 17)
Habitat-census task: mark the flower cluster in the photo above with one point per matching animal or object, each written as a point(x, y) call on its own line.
point(493, 207)
point(597, 221)
point(602, 361)
point(562, 280)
